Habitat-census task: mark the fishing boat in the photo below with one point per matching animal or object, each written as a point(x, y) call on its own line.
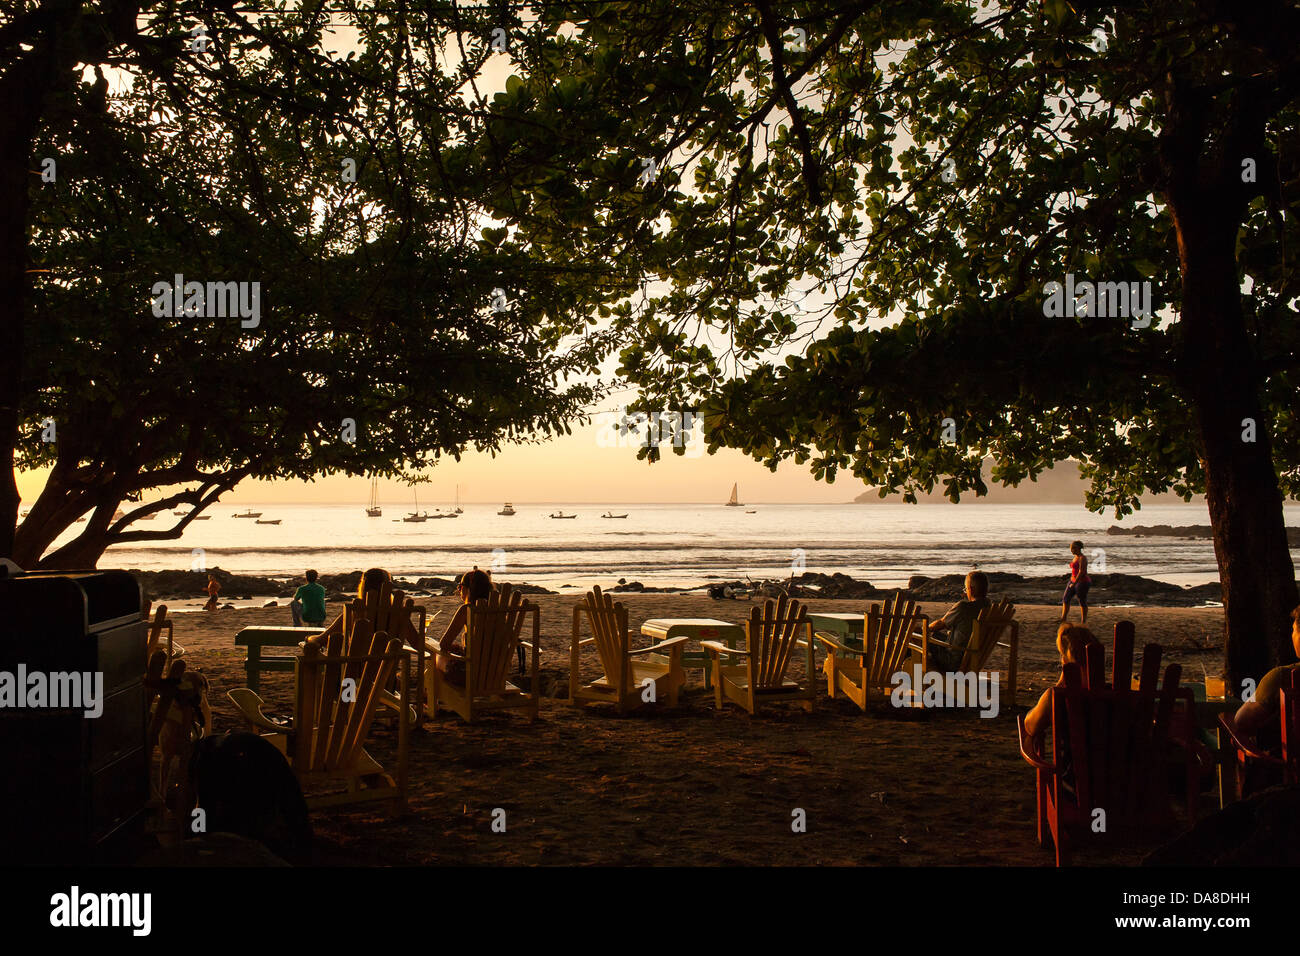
point(269, 521)
point(459, 510)
point(608, 515)
point(250, 513)
point(507, 510)
point(734, 502)
point(561, 514)
point(202, 517)
point(374, 511)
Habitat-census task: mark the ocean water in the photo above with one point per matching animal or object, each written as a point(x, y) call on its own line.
point(676, 544)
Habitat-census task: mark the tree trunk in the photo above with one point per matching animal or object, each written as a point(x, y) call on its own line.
point(18, 121)
point(1223, 378)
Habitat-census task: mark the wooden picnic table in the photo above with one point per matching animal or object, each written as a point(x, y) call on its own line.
point(256, 638)
point(697, 629)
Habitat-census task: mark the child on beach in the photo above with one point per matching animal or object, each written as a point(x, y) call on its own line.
point(213, 589)
point(1078, 586)
point(309, 603)
point(474, 586)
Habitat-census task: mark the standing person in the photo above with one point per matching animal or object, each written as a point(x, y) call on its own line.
point(213, 589)
point(1078, 586)
point(309, 603)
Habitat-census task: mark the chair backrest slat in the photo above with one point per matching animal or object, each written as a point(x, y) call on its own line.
point(609, 629)
point(772, 633)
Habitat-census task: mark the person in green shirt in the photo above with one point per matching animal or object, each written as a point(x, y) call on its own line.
point(955, 627)
point(309, 603)
point(1259, 717)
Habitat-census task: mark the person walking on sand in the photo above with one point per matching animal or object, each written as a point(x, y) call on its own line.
point(308, 604)
point(1078, 586)
point(213, 589)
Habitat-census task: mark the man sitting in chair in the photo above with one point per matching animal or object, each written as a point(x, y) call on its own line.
point(1258, 717)
point(955, 627)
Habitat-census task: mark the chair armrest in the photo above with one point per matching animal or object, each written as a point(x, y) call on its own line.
point(662, 645)
point(1031, 755)
point(250, 707)
point(590, 640)
point(1241, 743)
point(715, 648)
point(830, 641)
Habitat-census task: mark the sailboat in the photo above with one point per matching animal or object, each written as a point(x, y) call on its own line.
point(459, 510)
point(415, 516)
point(374, 511)
point(734, 502)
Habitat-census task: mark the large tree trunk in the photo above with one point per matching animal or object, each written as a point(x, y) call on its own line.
point(18, 121)
point(1222, 377)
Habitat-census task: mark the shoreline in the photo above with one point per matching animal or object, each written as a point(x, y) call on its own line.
point(1108, 591)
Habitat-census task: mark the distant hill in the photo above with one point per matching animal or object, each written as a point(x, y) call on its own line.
point(1056, 486)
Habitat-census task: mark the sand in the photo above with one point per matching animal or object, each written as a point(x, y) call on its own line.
point(700, 787)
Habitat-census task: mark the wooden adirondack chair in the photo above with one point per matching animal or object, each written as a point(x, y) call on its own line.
point(1110, 748)
point(626, 671)
point(771, 632)
point(391, 612)
point(985, 637)
point(492, 634)
point(153, 637)
point(1250, 761)
point(335, 703)
point(859, 673)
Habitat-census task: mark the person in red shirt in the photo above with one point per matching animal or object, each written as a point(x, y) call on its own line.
point(1079, 584)
point(213, 589)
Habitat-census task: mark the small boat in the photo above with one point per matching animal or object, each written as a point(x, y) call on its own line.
point(415, 517)
point(269, 521)
point(734, 502)
point(608, 515)
point(202, 517)
point(250, 513)
point(180, 514)
point(507, 510)
point(374, 511)
point(750, 511)
point(561, 514)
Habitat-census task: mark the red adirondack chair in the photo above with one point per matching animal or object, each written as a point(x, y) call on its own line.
point(1109, 750)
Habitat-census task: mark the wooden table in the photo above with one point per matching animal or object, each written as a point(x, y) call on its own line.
point(697, 629)
point(845, 628)
point(256, 638)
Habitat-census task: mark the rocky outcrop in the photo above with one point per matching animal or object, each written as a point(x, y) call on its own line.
point(1185, 531)
point(1106, 589)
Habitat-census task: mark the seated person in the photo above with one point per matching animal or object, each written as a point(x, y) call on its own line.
point(474, 586)
point(308, 604)
point(372, 580)
point(1259, 718)
point(1072, 643)
point(955, 627)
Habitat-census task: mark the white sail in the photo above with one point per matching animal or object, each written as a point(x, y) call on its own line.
point(734, 501)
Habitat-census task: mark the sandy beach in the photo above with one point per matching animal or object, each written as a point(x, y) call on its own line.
point(694, 786)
